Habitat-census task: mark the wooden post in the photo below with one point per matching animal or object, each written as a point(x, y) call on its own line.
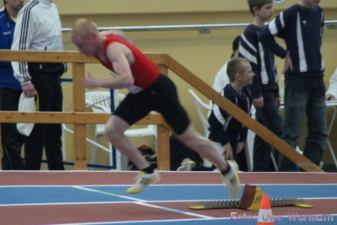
point(163, 133)
point(80, 154)
point(163, 147)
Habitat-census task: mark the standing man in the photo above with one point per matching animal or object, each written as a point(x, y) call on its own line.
point(301, 27)
point(39, 28)
point(10, 89)
point(149, 91)
point(265, 89)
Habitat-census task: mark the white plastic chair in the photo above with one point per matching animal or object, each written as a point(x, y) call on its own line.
point(203, 110)
point(99, 102)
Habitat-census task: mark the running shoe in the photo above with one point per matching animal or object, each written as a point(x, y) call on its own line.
point(231, 179)
point(186, 165)
point(143, 180)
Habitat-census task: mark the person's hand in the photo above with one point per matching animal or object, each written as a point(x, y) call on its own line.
point(239, 147)
point(330, 97)
point(227, 151)
point(28, 90)
point(288, 64)
point(90, 81)
point(258, 102)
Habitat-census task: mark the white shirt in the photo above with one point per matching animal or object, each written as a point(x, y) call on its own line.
point(221, 79)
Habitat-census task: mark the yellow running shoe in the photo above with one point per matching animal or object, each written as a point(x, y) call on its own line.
point(186, 165)
point(231, 179)
point(143, 180)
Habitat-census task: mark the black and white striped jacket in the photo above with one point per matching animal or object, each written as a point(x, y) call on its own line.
point(38, 27)
point(223, 127)
point(302, 31)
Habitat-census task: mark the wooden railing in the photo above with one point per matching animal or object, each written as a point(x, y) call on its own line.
point(80, 118)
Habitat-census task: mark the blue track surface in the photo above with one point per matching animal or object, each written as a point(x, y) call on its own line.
point(39, 195)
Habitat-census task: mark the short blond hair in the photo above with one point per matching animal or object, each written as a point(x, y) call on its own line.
point(84, 27)
point(235, 66)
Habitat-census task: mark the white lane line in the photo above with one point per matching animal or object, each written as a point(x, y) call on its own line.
point(143, 202)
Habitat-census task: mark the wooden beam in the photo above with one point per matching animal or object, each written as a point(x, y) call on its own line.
point(45, 56)
point(69, 117)
point(157, 58)
point(56, 56)
point(242, 117)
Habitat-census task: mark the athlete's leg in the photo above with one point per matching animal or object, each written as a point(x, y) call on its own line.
point(192, 139)
point(114, 132)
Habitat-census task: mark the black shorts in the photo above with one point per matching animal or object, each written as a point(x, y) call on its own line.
point(161, 97)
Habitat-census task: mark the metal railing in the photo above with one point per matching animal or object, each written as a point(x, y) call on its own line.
point(332, 24)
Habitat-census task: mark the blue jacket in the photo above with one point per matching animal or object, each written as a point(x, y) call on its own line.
point(7, 25)
point(261, 60)
point(223, 127)
point(302, 31)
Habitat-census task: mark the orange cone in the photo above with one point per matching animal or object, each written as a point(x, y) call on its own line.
point(265, 214)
